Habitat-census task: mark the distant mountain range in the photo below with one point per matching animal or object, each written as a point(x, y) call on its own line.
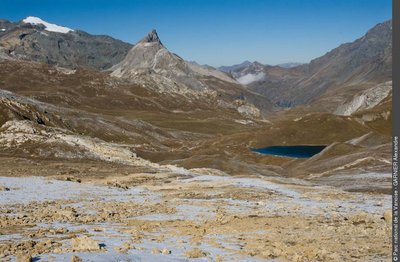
point(289, 65)
point(146, 63)
point(359, 65)
point(247, 63)
point(364, 62)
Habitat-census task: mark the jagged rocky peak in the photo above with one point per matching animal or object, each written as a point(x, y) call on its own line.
point(152, 37)
point(150, 55)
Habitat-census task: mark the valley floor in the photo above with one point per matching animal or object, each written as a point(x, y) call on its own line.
point(52, 213)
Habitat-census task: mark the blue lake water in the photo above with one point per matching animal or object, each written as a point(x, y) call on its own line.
point(299, 151)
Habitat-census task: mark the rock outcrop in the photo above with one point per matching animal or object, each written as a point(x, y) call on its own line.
point(366, 99)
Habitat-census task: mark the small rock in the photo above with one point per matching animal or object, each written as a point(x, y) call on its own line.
point(76, 259)
point(156, 251)
point(124, 248)
point(219, 258)
point(24, 258)
point(69, 214)
point(84, 243)
point(359, 218)
point(2, 188)
point(98, 229)
point(57, 250)
point(165, 251)
point(387, 215)
point(195, 253)
point(61, 231)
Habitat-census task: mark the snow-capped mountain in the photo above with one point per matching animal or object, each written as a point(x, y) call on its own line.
point(48, 26)
point(37, 40)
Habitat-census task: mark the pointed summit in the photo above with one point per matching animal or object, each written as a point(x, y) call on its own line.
point(151, 37)
point(149, 57)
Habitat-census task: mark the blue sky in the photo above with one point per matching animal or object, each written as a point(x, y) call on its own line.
point(218, 32)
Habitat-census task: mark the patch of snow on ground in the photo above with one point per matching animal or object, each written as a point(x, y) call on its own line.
point(290, 197)
point(49, 27)
point(27, 189)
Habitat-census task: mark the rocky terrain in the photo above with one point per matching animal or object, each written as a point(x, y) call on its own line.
point(69, 48)
point(150, 159)
point(200, 215)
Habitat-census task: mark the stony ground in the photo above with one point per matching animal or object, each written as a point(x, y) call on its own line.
point(199, 215)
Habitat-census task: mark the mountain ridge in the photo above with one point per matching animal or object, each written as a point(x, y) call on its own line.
point(365, 61)
point(149, 61)
point(70, 49)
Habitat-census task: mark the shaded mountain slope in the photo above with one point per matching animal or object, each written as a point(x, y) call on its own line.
point(361, 64)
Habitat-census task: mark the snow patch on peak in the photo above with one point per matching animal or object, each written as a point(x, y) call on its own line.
point(48, 26)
